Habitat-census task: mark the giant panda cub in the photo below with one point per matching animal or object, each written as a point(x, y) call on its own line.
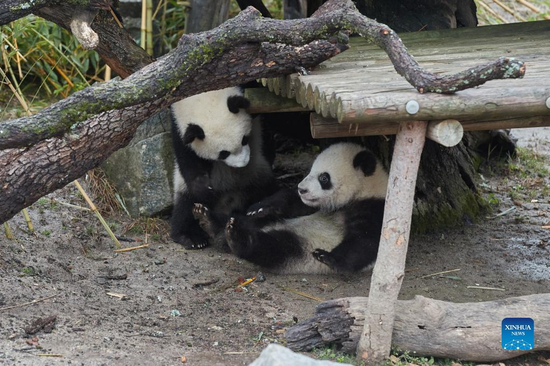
point(332, 223)
point(218, 162)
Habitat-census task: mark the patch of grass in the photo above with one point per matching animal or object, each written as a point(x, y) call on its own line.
point(331, 354)
point(397, 358)
point(156, 229)
point(528, 164)
point(28, 271)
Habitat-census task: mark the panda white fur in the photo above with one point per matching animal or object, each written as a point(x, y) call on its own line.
point(218, 162)
point(332, 223)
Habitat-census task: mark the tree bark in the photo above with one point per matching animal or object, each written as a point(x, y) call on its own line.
point(11, 10)
point(466, 331)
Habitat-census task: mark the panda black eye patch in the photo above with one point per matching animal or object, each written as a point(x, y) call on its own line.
point(245, 140)
point(324, 181)
point(223, 155)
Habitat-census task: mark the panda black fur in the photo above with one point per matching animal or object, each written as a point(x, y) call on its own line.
point(218, 162)
point(347, 188)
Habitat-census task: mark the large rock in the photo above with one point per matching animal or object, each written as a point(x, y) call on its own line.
point(142, 172)
point(276, 355)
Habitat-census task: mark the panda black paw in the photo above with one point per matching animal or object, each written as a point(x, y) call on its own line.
point(324, 257)
point(259, 212)
point(201, 213)
point(198, 242)
point(235, 236)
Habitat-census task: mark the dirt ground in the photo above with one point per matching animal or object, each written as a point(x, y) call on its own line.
point(184, 303)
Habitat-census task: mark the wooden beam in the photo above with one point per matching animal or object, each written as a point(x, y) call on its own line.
point(427, 327)
point(329, 127)
point(375, 342)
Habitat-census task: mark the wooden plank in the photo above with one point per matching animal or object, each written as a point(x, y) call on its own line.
point(329, 127)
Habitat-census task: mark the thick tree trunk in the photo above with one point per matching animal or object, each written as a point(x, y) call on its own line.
point(467, 331)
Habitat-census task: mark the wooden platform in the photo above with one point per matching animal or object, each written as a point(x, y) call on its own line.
point(361, 90)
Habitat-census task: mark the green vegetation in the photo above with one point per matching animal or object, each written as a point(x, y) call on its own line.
point(397, 358)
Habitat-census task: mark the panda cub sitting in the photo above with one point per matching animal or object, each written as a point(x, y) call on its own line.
point(218, 162)
point(332, 223)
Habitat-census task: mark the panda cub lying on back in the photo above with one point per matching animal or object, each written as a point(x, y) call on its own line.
point(219, 162)
point(332, 223)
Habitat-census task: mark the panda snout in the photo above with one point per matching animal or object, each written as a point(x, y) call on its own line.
point(302, 191)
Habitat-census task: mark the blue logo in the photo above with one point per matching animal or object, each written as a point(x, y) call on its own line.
point(518, 334)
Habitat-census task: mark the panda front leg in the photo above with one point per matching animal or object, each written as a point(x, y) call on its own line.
point(185, 229)
point(351, 255)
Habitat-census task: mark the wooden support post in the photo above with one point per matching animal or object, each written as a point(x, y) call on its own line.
point(389, 270)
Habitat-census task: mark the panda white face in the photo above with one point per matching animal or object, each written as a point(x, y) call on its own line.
point(216, 126)
point(343, 173)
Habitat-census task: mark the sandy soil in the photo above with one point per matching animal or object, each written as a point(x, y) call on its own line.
point(166, 313)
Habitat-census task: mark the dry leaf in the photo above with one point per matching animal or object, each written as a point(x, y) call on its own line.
point(183, 359)
point(394, 359)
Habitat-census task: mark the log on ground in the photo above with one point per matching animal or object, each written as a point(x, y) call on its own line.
point(464, 331)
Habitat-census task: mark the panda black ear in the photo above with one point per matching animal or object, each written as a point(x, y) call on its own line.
point(193, 132)
point(366, 161)
point(237, 102)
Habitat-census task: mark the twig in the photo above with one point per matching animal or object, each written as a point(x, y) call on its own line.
point(96, 212)
point(114, 294)
point(505, 212)
point(131, 248)
point(301, 293)
point(486, 288)
point(438, 273)
point(27, 303)
point(71, 205)
point(207, 283)
point(116, 18)
point(545, 227)
point(49, 355)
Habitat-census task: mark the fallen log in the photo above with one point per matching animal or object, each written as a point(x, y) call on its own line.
point(464, 331)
